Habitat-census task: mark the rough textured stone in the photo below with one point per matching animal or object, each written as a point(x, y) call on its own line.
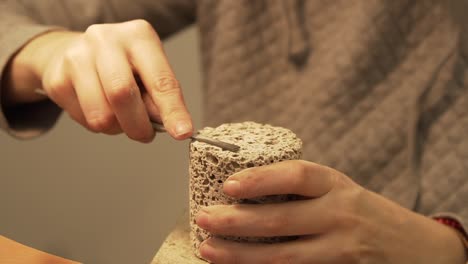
point(210, 166)
point(177, 248)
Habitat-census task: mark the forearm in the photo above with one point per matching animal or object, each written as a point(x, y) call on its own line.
point(415, 237)
point(16, 253)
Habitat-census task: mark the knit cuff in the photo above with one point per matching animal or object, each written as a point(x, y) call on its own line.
point(29, 120)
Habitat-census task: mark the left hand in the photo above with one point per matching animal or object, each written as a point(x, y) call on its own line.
point(340, 222)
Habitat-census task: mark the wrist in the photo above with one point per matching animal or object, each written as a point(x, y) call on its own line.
point(458, 229)
point(453, 242)
point(24, 73)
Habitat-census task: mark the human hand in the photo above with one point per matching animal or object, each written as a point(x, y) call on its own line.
point(13, 252)
point(94, 77)
point(338, 222)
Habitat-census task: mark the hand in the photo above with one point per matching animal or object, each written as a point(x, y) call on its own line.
point(339, 222)
point(14, 252)
point(92, 76)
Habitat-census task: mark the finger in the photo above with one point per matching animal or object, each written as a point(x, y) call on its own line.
point(296, 218)
point(115, 130)
point(152, 109)
point(59, 88)
point(123, 94)
point(302, 251)
point(287, 177)
point(93, 102)
point(148, 58)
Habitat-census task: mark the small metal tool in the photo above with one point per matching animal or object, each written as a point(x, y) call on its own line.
point(160, 128)
point(223, 145)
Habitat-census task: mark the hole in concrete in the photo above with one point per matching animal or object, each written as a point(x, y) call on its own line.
point(271, 142)
point(212, 159)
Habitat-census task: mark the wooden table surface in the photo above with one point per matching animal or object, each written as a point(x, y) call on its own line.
point(177, 249)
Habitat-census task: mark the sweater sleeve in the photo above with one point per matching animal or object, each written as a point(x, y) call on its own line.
point(22, 20)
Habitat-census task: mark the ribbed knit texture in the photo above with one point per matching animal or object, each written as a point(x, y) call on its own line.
point(381, 96)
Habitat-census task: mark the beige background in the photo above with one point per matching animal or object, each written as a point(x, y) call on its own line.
point(96, 198)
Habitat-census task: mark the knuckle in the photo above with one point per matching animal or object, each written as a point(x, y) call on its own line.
point(140, 28)
point(347, 221)
point(251, 172)
point(54, 86)
point(283, 258)
point(301, 166)
point(172, 112)
point(352, 205)
point(57, 87)
point(72, 56)
point(100, 33)
point(299, 175)
point(251, 176)
point(77, 54)
point(222, 223)
point(95, 31)
point(120, 90)
point(252, 181)
point(101, 123)
point(166, 84)
point(140, 24)
point(275, 224)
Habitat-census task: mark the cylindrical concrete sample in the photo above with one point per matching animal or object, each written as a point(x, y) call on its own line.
point(210, 166)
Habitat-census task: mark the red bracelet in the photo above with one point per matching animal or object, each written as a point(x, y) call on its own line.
point(450, 222)
point(453, 224)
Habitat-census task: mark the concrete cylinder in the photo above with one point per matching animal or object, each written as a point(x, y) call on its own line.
point(210, 166)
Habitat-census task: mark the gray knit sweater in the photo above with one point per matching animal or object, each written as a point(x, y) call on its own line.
point(376, 89)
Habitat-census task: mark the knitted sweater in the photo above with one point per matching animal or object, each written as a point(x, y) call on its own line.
point(376, 89)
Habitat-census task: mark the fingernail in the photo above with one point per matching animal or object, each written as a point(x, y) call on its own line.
point(182, 128)
point(231, 187)
point(207, 251)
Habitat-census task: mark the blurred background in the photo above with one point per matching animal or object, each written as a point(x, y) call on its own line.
point(96, 198)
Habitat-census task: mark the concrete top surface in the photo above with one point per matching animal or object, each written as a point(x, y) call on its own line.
point(176, 247)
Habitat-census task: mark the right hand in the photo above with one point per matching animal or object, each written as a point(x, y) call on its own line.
point(94, 77)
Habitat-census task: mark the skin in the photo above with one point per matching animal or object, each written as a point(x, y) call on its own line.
point(338, 222)
point(94, 76)
point(14, 253)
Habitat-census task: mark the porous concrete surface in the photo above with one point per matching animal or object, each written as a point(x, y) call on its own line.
point(210, 166)
point(177, 248)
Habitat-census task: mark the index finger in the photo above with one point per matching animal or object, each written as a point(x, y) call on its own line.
point(288, 177)
point(148, 58)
